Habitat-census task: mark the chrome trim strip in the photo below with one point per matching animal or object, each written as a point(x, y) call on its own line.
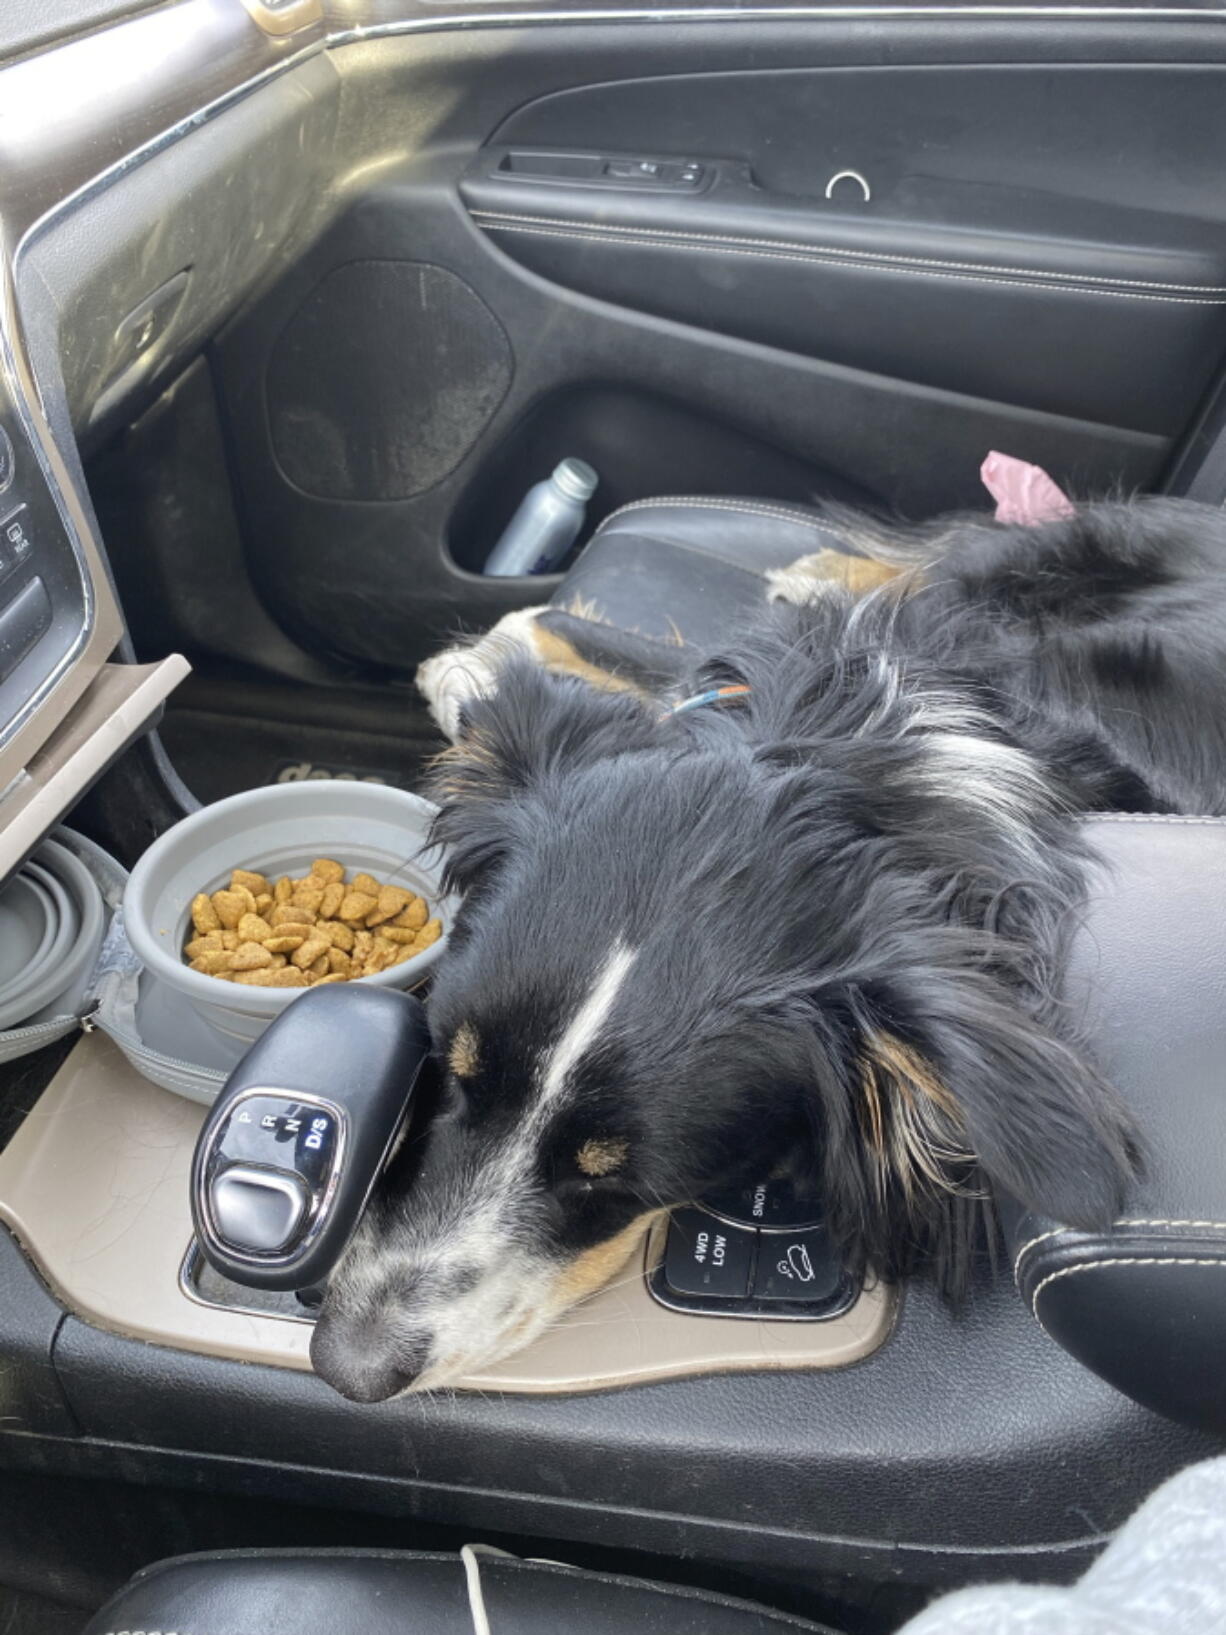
point(22, 393)
point(729, 13)
point(188, 1268)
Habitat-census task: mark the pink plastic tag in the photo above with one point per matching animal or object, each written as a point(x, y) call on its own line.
point(1023, 493)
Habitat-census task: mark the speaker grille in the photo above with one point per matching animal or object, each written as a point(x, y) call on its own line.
point(383, 380)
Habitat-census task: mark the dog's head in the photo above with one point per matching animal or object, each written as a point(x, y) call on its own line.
point(685, 960)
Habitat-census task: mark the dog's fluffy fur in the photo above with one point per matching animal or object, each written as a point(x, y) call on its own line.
point(821, 925)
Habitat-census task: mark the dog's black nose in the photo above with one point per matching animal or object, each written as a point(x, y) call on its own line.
point(365, 1366)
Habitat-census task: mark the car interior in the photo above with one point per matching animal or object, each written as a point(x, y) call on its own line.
point(298, 299)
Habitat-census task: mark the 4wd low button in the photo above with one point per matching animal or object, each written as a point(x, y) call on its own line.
point(707, 1256)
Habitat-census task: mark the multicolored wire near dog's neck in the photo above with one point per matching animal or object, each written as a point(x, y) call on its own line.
point(713, 695)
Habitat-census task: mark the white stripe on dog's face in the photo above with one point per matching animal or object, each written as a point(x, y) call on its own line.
point(585, 1025)
point(463, 1276)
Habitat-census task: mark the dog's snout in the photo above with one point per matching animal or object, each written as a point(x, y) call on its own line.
point(367, 1362)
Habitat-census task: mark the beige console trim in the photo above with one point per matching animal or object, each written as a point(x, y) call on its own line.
point(94, 1185)
point(114, 707)
point(285, 16)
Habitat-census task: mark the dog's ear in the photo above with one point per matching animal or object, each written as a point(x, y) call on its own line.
point(955, 1075)
point(932, 1089)
point(532, 727)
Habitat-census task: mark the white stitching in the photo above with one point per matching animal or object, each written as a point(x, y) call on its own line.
point(1150, 817)
point(706, 503)
point(604, 235)
point(813, 259)
point(688, 233)
point(1095, 1265)
point(1129, 1220)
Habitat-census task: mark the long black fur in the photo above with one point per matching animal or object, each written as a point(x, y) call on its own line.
point(851, 891)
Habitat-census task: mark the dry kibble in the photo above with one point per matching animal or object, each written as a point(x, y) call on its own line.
point(291, 914)
point(310, 951)
point(333, 897)
point(414, 916)
point(357, 905)
point(230, 906)
point(204, 915)
point(392, 900)
point(287, 978)
point(299, 933)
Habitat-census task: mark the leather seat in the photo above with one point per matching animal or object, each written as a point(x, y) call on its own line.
point(323, 1592)
point(686, 566)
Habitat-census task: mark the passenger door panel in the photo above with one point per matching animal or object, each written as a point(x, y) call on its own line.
point(1040, 267)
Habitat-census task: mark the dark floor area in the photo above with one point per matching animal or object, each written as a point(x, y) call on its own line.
point(21, 1084)
point(22, 1614)
point(226, 733)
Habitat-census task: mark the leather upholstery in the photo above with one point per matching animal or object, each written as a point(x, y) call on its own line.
point(272, 1592)
point(1144, 1305)
point(688, 566)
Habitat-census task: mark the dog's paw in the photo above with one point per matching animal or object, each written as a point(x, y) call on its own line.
point(811, 577)
point(470, 669)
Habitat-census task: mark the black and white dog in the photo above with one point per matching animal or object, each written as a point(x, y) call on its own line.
point(817, 922)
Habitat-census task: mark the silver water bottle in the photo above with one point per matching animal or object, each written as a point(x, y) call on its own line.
point(546, 524)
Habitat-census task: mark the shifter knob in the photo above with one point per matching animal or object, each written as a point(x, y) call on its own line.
point(289, 1154)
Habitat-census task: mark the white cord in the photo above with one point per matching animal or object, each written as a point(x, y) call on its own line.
point(476, 1595)
point(470, 1555)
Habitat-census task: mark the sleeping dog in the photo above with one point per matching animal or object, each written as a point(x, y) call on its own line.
point(815, 919)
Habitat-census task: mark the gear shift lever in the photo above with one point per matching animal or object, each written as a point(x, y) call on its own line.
point(289, 1154)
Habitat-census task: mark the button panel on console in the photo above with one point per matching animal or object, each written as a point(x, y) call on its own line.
point(760, 1252)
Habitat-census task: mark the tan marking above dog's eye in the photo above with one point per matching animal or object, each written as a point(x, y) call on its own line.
point(601, 1155)
point(463, 1056)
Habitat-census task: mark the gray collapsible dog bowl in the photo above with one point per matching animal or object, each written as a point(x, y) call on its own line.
point(91, 883)
point(277, 830)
